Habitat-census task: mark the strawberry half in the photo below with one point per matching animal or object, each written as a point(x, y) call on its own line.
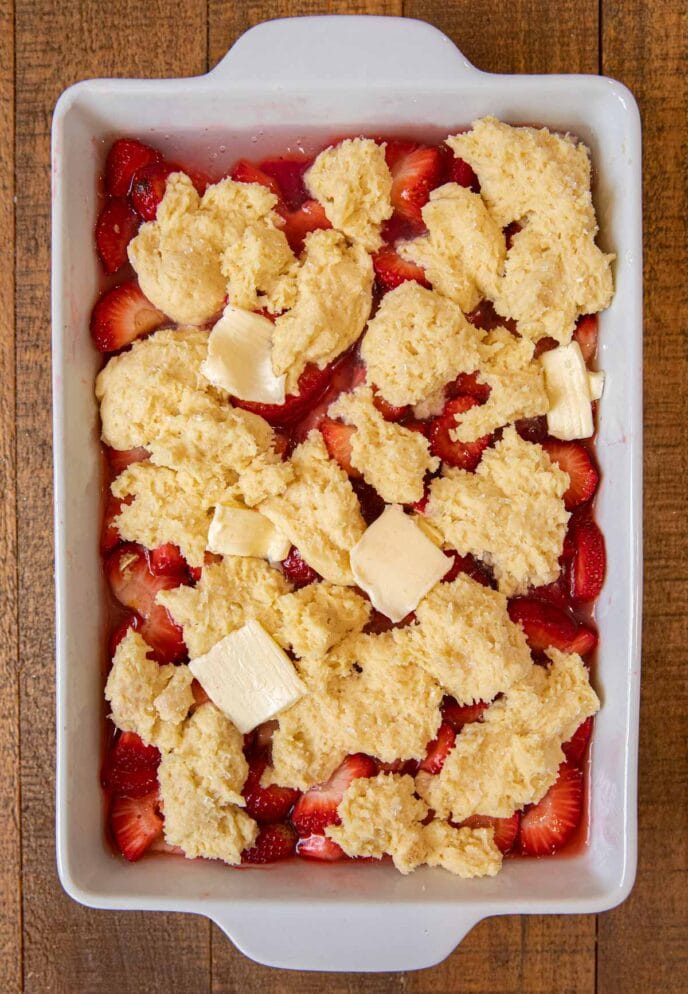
point(460, 172)
point(532, 429)
point(297, 570)
point(109, 534)
point(116, 226)
point(589, 565)
point(574, 749)
point(439, 749)
point(266, 804)
point(136, 586)
point(586, 334)
point(119, 459)
point(337, 438)
point(320, 848)
point(457, 715)
point(309, 217)
point(148, 188)
point(136, 823)
point(247, 172)
point(505, 829)
point(546, 625)
point(547, 826)
point(468, 384)
point(131, 768)
point(317, 808)
point(167, 559)
point(416, 170)
point(288, 174)
point(274, 842)
point(126, 156)
point(131, 620)
point(371, 504)
point(464, 455)
point(466, 564)
point(575, 460)
point(313, 383)
point(122, 315)
point(391, 270)
point(390, 412)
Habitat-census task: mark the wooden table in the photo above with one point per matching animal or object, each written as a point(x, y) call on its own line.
point(47, 942)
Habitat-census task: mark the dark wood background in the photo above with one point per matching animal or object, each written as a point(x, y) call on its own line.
point(50, 944)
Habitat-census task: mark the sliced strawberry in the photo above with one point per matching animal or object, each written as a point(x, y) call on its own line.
point(119, 459)
point(148, 188)
point(390, 412)
point(309, 217)
point(247, 172)
point(317, 808)
point(116, 226)
point(297, 570)
point(532, 429)
point(274, 842)
point(505, 829)
point(199, 694)
point(546, 626)
point(465, 455)
point(313, 383)
point(136, 823)
point(121, 315)
point(555, 592)
point(109, 534)
point(134, 585)
point(586, 334)
point(337, 439)
point(547, 826)
point(574, 749)
point(288, 174)
point(120, 630)
point(416, 170)
point(167, 559)
point(575, 460)
point(439, 749)
point(485, 317)
point(460, 172)
point(125, 157)
point(587, 571)
point(372, 505)
point(266, 804)
point(392, 270)
point(469, 565)
point(347, 374)
point(402, 766)
point(131, 768)
point(320, 848)
point(468, 385)
point(457, 715)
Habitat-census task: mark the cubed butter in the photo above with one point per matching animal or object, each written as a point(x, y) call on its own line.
point(569, 389)
point(396, 564)
point(240, 531)
point(240, 357)
point(248, 676)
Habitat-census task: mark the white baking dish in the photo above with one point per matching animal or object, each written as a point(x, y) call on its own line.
point(374, 75)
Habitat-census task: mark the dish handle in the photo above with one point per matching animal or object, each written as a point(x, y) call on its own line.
point(368, 49)
point(363, 938)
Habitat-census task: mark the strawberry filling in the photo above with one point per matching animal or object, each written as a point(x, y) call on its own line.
point(557, 616)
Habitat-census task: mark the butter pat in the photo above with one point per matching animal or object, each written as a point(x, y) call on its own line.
point(239, 531)
point(396, 564)
point(248, 677)
point(240, 357)
point(570, 392)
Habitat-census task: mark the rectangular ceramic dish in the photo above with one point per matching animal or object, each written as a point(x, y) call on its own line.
point(363, 75)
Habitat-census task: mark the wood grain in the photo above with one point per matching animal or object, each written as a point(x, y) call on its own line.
point(10, 838)
point(68, 948)
point(642, 945)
